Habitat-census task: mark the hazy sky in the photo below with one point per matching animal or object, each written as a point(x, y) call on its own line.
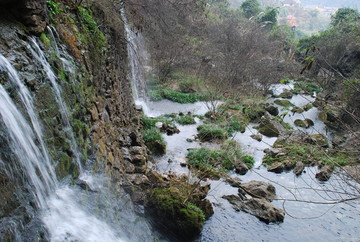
point(333, 3)
point(319, 3)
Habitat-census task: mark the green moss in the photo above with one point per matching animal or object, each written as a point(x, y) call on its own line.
point(254, 112)
point(66, 167)
point(160, 92)
point(169, 206)
point(53, 7)
point(45, 40)
point(149, 123)
point(284, 103)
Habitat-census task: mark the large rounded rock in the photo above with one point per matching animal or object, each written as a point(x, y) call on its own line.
point(261, 208)
point(270, 127)
point(274, 111)
point(260, 189)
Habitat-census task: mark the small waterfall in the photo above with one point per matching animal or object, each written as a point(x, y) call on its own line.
point(28, 102)
point(39, 55)
point(138, 63)
point(23, 144)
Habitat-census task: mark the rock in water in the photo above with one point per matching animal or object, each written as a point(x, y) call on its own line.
point(274, 111)
point(261, 208)
point(260, 189)
point(257, 137)
point(324, 174)
point(299, 168)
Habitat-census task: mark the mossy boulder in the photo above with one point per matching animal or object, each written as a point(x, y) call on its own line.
point(270, 127)
point(284, 103)
point(172, 208)
point(320, 140)
point(300, 123)
point(297, 110)
point(286, 94)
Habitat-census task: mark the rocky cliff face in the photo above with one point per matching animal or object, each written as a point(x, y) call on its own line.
point(96, 90)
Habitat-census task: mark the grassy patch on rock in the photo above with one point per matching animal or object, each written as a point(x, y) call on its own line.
point(307, 154)
point(214, 163)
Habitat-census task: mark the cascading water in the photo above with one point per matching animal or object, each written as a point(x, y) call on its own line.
point(27, 101)
point(40, 56)
point(138, 62)
point(33, 162)
point(102, 213)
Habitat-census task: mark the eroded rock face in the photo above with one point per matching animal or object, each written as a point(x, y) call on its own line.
point(31, 13)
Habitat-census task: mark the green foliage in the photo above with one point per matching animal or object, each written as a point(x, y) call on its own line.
point(159, 92)
point(270, 16)
point(309, 154)
point(91, 26)
point(284, 81)
point(215, 162)
point(254, 112)
point(53, 7)
point(250, 8)
point(45, 40)
point(153, 134)
point(211, 132)
point(185, 120)
point(149, 123)
point(345, 16)
point(308, 87)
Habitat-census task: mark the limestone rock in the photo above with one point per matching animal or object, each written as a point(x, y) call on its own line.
point(274, 111)
point(261, 208)
point(325, 173)
point(277, 167)
point(241, 168)
point(257, 137)
point(299, 168)
point(260, 189)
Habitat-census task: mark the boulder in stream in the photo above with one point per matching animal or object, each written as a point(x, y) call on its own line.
point(270, 127)
point(257, 137)
point(270, 108)
point(325, 173)
point(260, 189)
point(284, 103)
point(259, 207)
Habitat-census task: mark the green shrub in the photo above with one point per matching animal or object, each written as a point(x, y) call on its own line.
point(185, 120)
point(53, 7)
point(211, 132)
point(216, 162)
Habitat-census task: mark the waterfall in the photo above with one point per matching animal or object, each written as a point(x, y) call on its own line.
point(23, 144)
point(138, 63)
point(28, 102)
point(68, 212)
point(40, 56)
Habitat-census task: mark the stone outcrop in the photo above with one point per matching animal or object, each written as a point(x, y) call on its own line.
point(32, 13)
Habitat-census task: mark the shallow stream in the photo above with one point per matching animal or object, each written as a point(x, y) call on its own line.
point(304, 221)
